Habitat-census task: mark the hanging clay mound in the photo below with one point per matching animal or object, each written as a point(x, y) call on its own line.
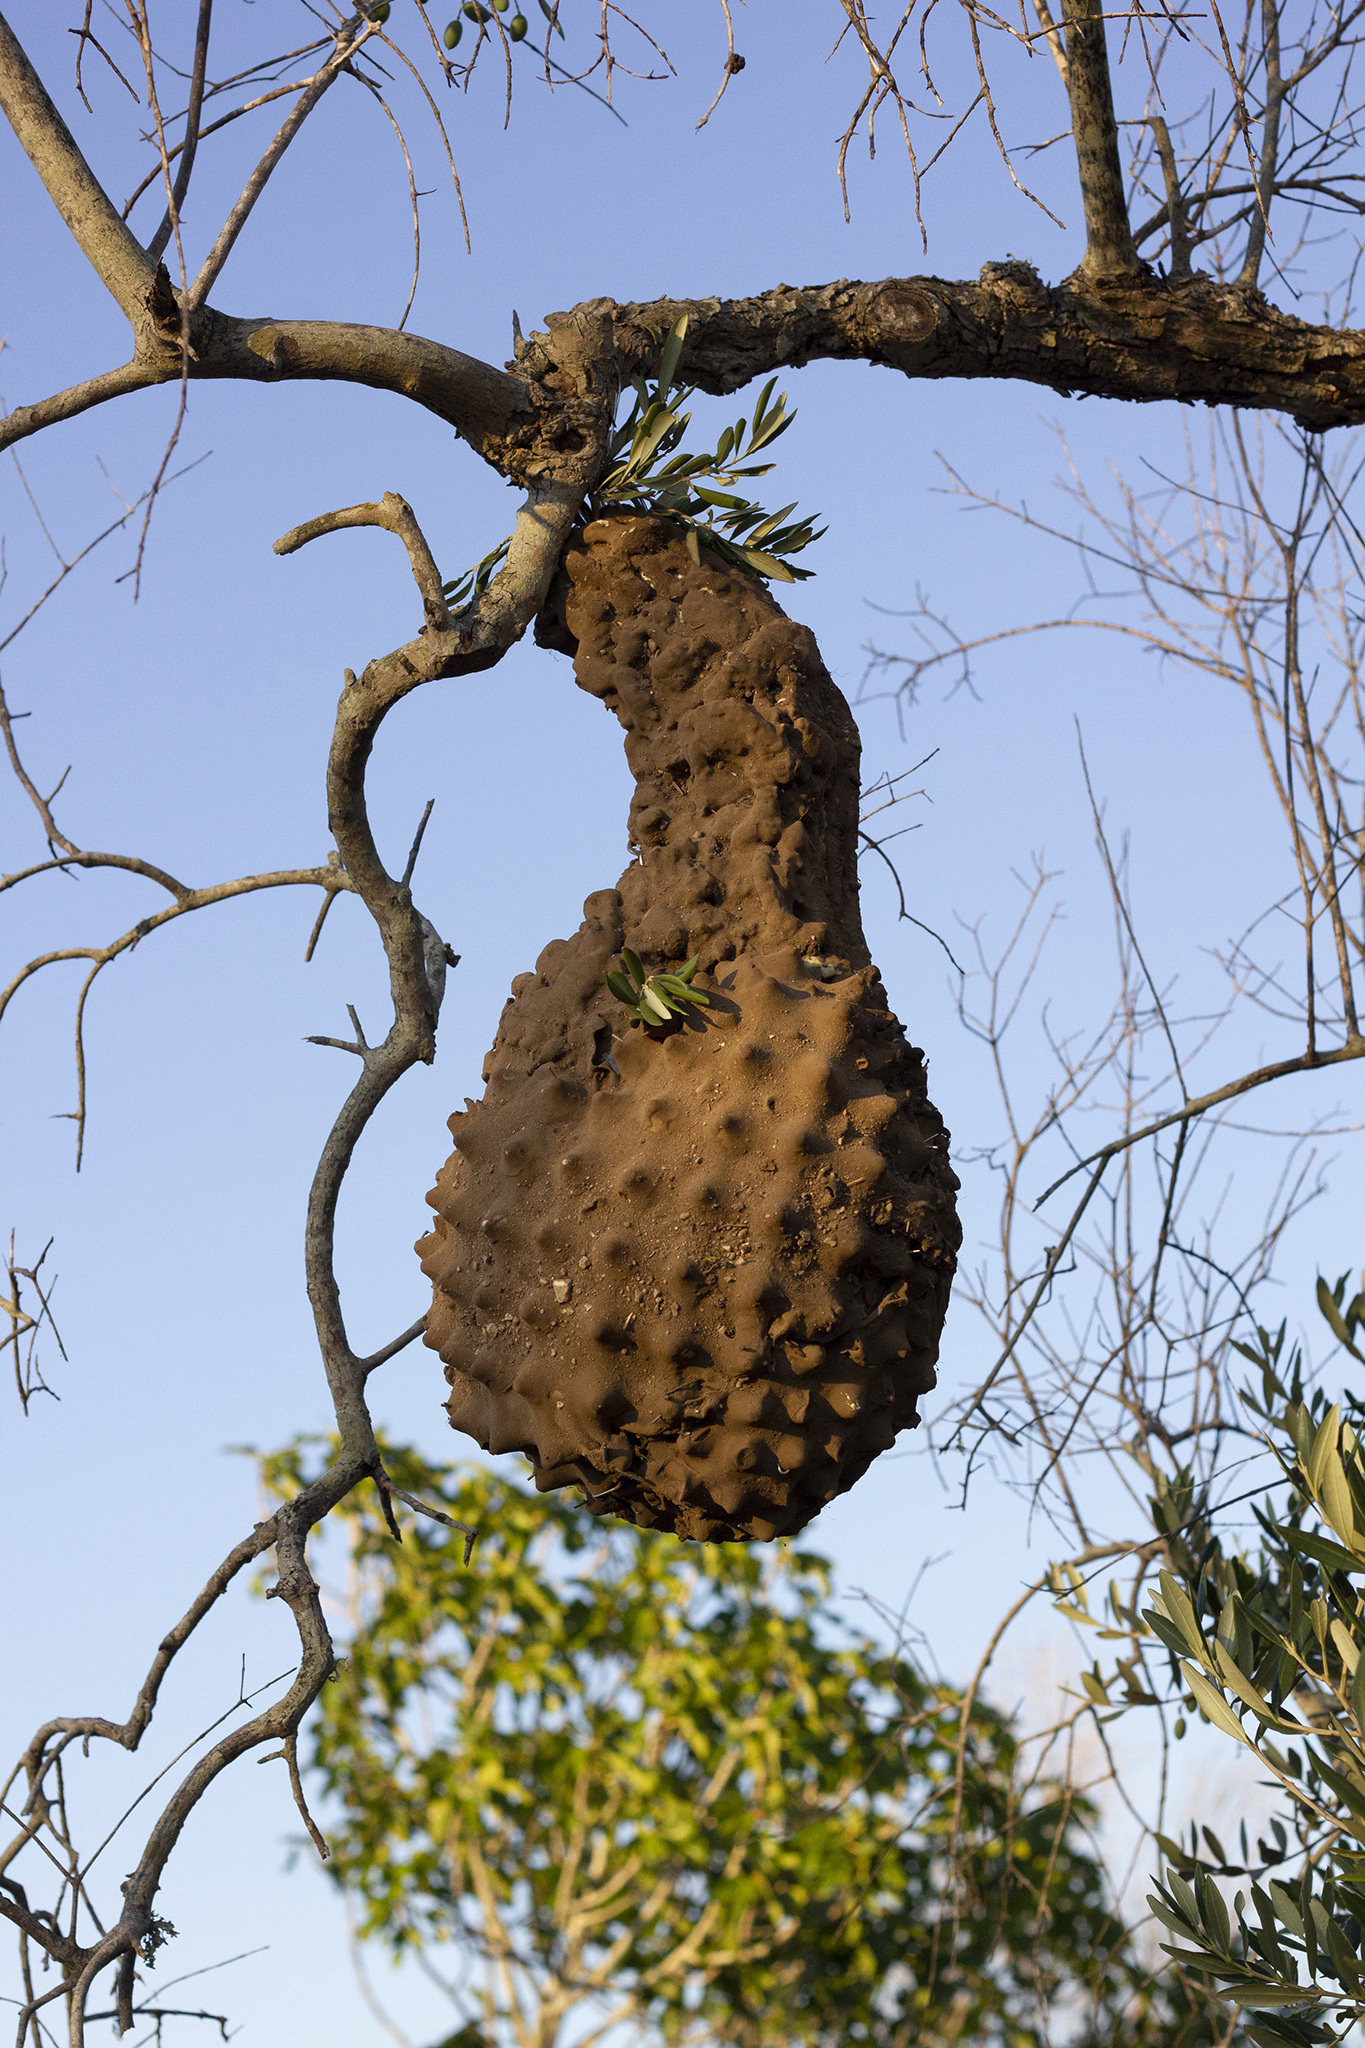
point(706, 1284)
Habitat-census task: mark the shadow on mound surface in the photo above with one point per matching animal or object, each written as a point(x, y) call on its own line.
point(702, 1272)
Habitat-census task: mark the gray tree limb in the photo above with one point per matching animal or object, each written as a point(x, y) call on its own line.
point(119, 259)
point(1146, 339)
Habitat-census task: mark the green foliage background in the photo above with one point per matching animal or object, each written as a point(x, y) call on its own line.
point(666, 1780)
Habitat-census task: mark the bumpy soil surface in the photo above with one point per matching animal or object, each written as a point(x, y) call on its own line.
point(705, 1284)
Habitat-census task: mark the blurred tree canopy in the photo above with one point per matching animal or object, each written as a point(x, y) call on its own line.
point(622, 1777)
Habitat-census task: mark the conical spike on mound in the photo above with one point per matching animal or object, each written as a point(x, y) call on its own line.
point(700, 1273)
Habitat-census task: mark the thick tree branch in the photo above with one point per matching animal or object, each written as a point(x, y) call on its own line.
point(485, 405)
point(476, 639)
point(1147, 339)
point(78, 398)
point(121, 262)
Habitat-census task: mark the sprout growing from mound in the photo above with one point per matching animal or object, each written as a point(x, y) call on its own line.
point(654, 998)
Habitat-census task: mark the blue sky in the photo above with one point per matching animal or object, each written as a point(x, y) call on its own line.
point(196, 721)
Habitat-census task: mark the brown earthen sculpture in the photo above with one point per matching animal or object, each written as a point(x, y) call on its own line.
point(700, 1273)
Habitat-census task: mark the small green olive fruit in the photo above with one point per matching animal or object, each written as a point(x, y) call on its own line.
point(516, 27)
point(381, 12)
point(453, 31)
point(500, 6)
point(474, 11)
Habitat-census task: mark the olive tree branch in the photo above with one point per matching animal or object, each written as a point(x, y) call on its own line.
point(1109, 250)
point(333, 881)
point(395, 515)
point(476, 640)
point(1146, 338)
point(123, 266)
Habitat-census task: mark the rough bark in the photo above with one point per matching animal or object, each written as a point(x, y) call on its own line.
point(1109, 250)
point(707, 1282)
point(1144, 339)
point(113, 250)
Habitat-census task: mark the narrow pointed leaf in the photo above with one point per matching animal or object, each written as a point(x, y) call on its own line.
point(761, 408)
point(1213, 1704)
point(1322, 1550)
point(1323, 1445)
point(673, 348)
point(1336, 1320)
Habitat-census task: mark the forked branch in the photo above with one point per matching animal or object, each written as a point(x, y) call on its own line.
point(395, 515)
point(418, 960)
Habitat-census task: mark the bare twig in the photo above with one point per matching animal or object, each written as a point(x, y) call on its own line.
point(395, 515)
point(290, 1753)
point(417, 842)
point(732, 66)
point(421, 1507)
point(349, 39)
point(190, 144)
point(28, 1377)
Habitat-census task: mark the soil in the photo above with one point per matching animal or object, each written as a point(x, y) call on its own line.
point(700, 1273)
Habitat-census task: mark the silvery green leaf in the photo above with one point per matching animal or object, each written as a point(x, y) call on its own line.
point(768, 565)
point(778, 424)
point(774, 519)
point(1358, 1694)
point(761, 408)
point(1213, 1705)
point(673, 347)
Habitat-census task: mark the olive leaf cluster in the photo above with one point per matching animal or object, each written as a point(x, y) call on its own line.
point(655, 999)
point(1268, 1649)
point(650, 471)
point(607, 1772)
